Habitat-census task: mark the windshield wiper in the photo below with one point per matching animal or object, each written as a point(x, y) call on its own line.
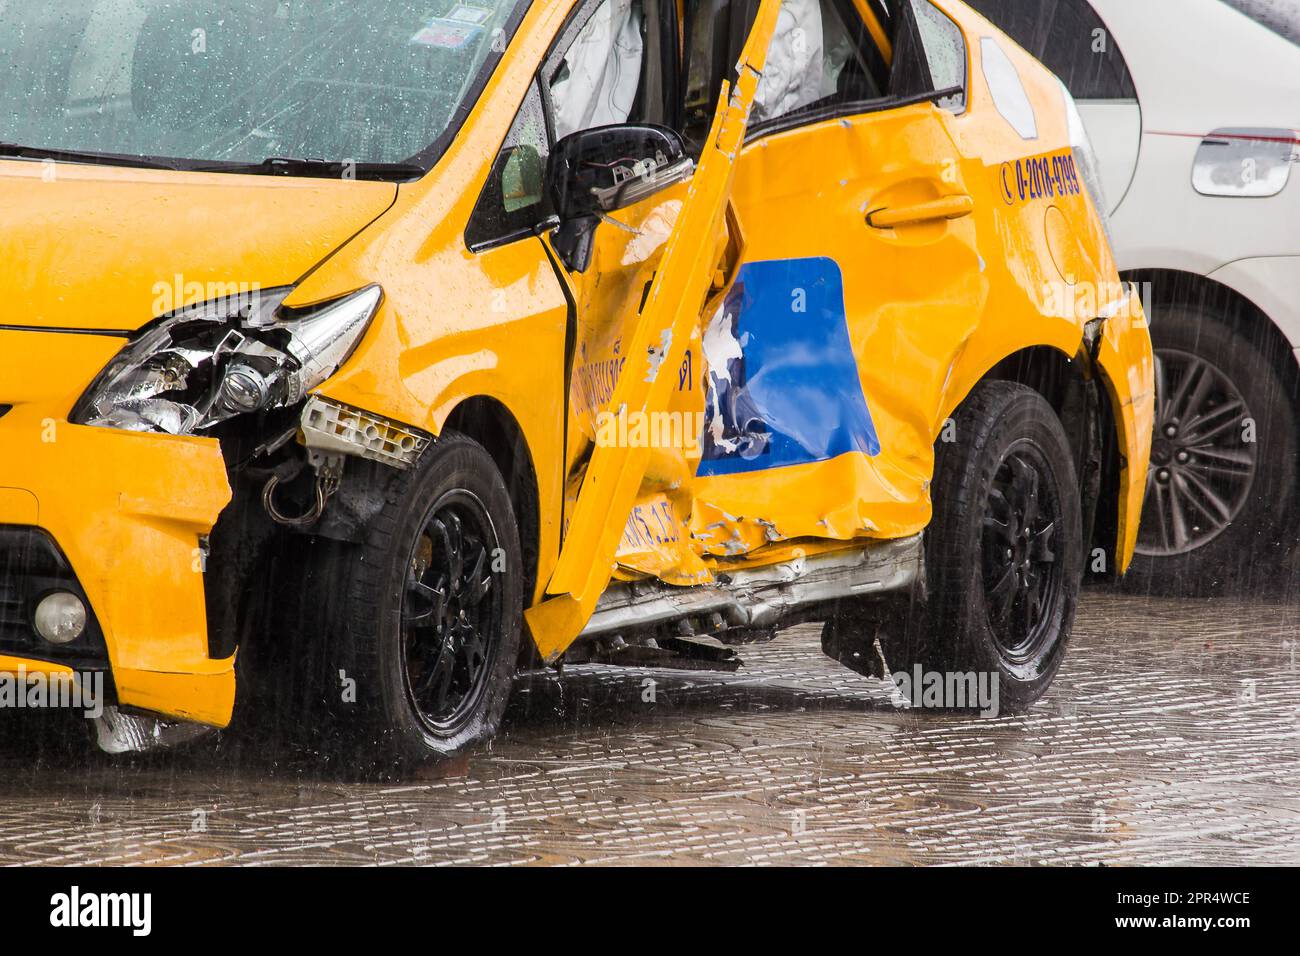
point(323, 168)
point(271, 166)
point(19, 151)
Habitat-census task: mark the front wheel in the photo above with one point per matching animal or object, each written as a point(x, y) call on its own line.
point(1003, 553)
point(422, 620)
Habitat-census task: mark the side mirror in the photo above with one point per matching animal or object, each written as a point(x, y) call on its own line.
point(601, 170)
point(597, 171)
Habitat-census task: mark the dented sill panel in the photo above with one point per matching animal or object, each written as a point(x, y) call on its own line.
point(760, 598)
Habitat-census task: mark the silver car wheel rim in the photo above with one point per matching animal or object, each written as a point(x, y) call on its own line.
point(1202, 463)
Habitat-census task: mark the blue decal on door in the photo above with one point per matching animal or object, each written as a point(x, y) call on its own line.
point(783, 381)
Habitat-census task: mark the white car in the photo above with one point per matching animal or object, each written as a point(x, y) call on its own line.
point(1194, 109)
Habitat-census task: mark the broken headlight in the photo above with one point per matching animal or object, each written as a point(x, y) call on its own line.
point(208, 363)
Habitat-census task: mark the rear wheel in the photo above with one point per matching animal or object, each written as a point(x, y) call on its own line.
point(1223, 459)
point(1003, 555)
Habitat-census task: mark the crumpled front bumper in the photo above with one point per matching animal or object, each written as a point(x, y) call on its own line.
point(128, 511)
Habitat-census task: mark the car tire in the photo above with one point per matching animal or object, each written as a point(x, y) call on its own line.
point(418, 626)
point(1235, 516)
point(1003, 552)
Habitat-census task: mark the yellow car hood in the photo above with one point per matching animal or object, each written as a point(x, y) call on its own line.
point(98, 247)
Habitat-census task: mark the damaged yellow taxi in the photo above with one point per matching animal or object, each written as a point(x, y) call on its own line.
point(356, 354)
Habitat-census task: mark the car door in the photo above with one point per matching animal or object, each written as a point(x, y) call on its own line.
point(638, 293)
point(861, 283)
point(616, 61)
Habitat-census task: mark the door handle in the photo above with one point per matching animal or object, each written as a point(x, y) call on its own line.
point(949, 207)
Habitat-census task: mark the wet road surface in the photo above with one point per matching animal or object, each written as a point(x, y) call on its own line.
point(1172, 736)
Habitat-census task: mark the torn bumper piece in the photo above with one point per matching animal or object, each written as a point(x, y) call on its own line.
point(119, 733)
point(332, 428)
point(1125, 356)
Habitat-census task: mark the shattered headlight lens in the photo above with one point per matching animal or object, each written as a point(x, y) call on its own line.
point(211, 362)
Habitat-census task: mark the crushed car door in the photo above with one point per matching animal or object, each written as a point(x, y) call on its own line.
point(860, 285)
point(618, 62)
point(657, 326)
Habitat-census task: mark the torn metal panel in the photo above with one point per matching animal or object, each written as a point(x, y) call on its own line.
point(761, 597)
point(657, 542)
